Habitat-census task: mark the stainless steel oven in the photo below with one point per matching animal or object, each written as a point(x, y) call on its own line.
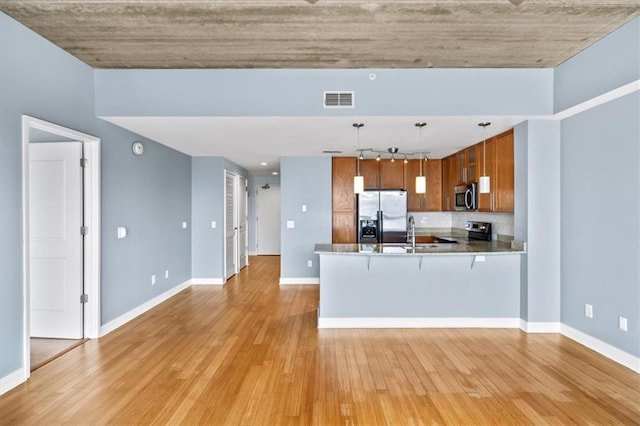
point(466, 197)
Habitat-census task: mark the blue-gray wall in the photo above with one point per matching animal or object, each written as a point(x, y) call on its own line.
point(207, 195)
point(150, 195)
point(255, 182)
point(537, 218)
point(606, 65)
point(600, 187)
point(601, 221)
point(304, 181)
point(395, 92)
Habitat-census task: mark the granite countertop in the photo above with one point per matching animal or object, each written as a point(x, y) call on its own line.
point(462, 247)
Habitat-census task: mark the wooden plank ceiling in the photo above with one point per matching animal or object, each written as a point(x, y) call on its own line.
point(322, 33)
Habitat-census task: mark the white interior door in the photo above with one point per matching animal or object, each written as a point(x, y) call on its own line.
point(55, 219)
point(230, 225)
point(268, 220)
point(243, 240)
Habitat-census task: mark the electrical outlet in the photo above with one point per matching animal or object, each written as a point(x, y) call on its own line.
point(166, 274)
point(309, 263)
point(622, 323)
point(588, 310)
point(153, 280)
point(304, 208)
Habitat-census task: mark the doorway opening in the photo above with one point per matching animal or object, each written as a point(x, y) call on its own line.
point(61, 235)
point(268, 219)
point(235, 224)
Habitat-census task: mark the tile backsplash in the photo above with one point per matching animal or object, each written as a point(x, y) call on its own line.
point(501, 223)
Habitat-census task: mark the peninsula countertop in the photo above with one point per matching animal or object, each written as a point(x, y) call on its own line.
point(462, 247)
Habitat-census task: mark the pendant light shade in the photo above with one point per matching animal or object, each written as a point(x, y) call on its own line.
point(358, 184)
point(421, 184)
point(421, 181)
point(358, 181)
point(485, 181)
point(485, 184)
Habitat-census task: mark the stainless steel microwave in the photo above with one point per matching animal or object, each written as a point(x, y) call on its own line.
point(466, 197)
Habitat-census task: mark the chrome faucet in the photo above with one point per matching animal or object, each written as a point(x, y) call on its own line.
point(412, 224)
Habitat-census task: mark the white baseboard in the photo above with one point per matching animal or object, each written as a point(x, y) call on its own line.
point(418, 322)
point(540, 327)
point(294, 281)
point(125, 318)
point(12, 380)
point(207, 281)
point(618, 355)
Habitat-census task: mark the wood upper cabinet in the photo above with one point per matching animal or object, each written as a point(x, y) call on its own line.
point(450, 174)
point(488, 151)
point(383, 174)
point(467, 160)
point(500, 168)
point(343, 200)
point(432, 199)
point(504, 169)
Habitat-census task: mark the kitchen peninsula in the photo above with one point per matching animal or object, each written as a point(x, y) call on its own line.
point(467, 284)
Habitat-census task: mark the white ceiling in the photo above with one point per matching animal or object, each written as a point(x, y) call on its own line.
point(250, 141)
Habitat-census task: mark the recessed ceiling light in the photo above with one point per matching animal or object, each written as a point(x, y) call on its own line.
point(262, 163)
point(274, 173)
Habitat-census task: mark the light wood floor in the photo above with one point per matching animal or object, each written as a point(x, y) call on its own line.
point(250, 353)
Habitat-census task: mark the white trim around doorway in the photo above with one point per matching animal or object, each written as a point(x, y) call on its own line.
point(91, 146)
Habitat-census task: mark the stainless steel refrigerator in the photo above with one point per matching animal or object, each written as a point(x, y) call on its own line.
point(382, 217)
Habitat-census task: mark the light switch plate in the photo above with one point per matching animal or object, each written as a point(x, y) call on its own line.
point(213, 224)
point(304, 208)
point(153, 280)
point(184, 225)
point(588, 310)
point(622, 323)
point(291, 224)
point(121, 232)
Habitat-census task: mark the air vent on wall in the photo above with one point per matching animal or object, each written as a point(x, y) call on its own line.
point(338, 99)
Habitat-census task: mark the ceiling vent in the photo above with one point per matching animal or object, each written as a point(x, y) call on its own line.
point(338, 99)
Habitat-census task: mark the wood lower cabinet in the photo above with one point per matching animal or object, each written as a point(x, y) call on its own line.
point(343, 200)
point(344, 227)
point(432, 199)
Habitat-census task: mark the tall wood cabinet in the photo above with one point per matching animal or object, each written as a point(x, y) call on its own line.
point(343, 200)
point(450, 175)
point(432, 199)
point(500, 168)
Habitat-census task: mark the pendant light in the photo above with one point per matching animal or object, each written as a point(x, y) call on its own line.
point(485, 181)
point(421, 181)
point(358, 181)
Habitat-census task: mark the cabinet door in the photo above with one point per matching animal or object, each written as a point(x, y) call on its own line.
point(344, 227)
point(471, 159)
point(415, 202)
point(343, 170)
point(461, 164)
point(446, 201)
point(370, 171)
point(488, 152)
point(391, 174)
point(503, 201)
point(433, 172)
point(453, 180)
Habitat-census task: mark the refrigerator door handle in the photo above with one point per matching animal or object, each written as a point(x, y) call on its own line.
point(380, 227)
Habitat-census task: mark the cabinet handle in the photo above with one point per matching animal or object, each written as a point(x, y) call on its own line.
point(491, 204)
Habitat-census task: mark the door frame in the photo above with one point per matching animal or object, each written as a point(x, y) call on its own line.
point(242, 193)
point(91, 196)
